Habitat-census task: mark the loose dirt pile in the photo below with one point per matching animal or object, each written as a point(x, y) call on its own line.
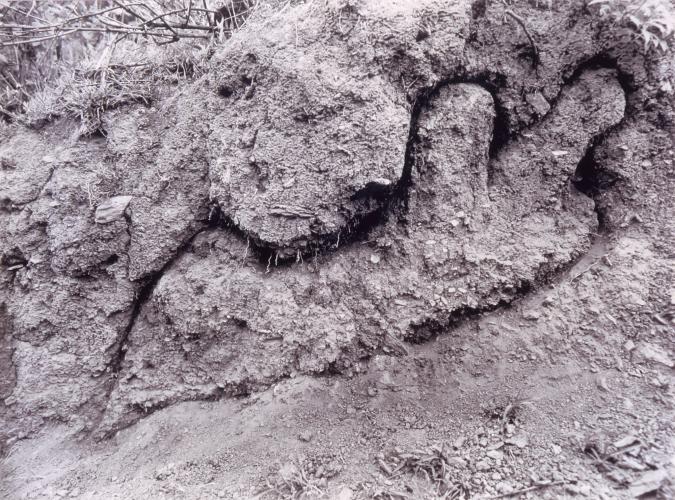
point(349, 181)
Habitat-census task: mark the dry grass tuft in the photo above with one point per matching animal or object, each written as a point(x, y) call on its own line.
point(433, 464)
point(124, 74)
point(301, 479)
point(80, 58)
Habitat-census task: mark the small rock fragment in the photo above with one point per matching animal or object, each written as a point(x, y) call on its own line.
point(649, 352)
point(111, 209)
point(578, 489)
point(457, 462)
point(631, 464)
point(519, 440)
point(345, 493)
point(287, 471)
point(504, 487)
point(617, 476)
point(482, 466)
point(538, 103)
point(532, 315)
point(306, 436)
point(648, 482)
point(625, 441)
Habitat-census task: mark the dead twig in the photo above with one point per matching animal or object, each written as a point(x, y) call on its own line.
point(521, 22)
point(535, 487)
point(584, 271)
point(167, 26)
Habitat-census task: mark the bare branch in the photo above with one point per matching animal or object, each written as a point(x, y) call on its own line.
point(158, 25)
point(521, 22)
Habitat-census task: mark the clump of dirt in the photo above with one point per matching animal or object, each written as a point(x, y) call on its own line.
point(345, 182)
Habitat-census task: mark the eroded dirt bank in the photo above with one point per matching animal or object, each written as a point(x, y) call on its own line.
point(576, 368)
point(347, 181)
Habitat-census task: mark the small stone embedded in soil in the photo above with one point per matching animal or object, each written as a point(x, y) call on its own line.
point(650, 352)
point(538, 102)
point(345, 493)
point(503, 487)
point(625, 441)
point(578, 489)
point(631, 464)
point(617, 476)
point(519, 441)
point(306, 436)
point(111, 209)
point(648, 482)
point(532, 315)
point(483, 466)
point(457, 462)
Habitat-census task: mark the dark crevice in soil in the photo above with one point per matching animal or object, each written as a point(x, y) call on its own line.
point(590, 179)
point(430, 328)
point(119, 349)
point(239, 390)
point(391, 202)
point(387, 202)
point(491, 82)
point(593, 180)
point(7, 369)
point(478, 9)
point(242, 390)
point(598, 61)
point(500, 132)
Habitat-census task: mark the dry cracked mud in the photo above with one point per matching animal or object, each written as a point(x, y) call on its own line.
point(344, 185)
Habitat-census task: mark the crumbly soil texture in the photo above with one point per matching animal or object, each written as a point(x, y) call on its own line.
point(381, 249)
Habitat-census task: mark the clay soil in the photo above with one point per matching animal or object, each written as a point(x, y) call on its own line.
point(475, 301)
point(570, 387)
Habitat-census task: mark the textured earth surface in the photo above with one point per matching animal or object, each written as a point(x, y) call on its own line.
point(352, 187)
